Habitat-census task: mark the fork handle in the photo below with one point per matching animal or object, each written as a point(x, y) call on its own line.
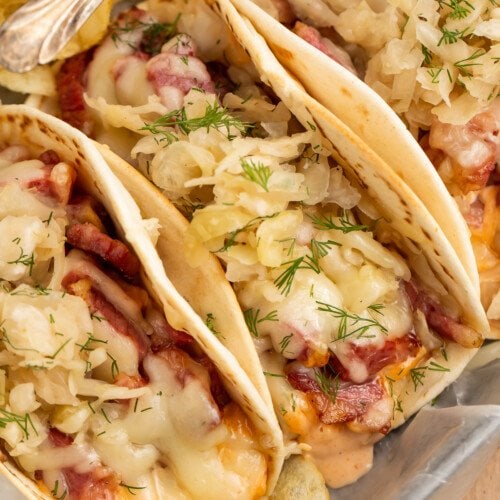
point(37, 31)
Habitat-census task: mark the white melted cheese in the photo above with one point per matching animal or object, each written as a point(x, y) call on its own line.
point(174, 439)
point(180, 421)
point(27, 242)
point(297, 312)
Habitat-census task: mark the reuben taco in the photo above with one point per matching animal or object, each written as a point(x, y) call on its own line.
point(357, 304)
point(436, 64)
point(111, 386)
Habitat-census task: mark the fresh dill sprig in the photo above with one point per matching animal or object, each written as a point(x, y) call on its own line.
point(25, 260)
point(344, 316)
point(49, 218)
point(97, 317)
point(216, 117)
point(284, 281)
point(398, 406)
point(210, 322)
point(59, 349)
point(284, 342)
point(435, 367)
point(23, 421)
point(328, 385)
point(55, 493)
point(324, 222)
point(270, 374)
point(154, 35)
point(38, 290)
point(459, 8)
point(114, 366)
point(466, 63)
point(256, 172)
point(5, 338)
point(90, 339)
point(376, 307)
point(132, 488)
point(451, 36)
point(252, 319)
point(427, 54)
point(320, 249)
point(417, 374)
point(231, 238)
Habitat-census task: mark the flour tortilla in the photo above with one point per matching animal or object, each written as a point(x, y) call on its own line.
point(398, 204)
point(371, 119)
point(27, 126)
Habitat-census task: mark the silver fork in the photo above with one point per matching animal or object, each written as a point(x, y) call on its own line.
point(38, 30)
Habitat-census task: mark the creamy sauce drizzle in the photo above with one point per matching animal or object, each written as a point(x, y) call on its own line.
point(342, 456)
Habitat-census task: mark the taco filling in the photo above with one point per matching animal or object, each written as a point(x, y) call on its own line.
point(101, 397)
point(343, 327)
point(436, 64)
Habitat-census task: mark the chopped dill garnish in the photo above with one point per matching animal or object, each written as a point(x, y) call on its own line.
point(132, 488)
point(444, 353)
point(55, 493)
point(60, 348)
point(328, 385)
point(25, 260)
point(216, 117)
point(344, 316)
point(90, 339)
point(284, 342)
point(256, 172)
point(231, 238)
point(252, 319)
point(324, 222)
point(269, 374)
point(320, 249)
point(466, 63)
point(49, 218)
point(376, 307)
point(459, 8)
point(154, 35)
point(451, 36)
point(105, 415)
point(96, 317)
point(398, 405)
point(23, 421)
point(38, 290)
point(434, 74)
point(114, 366)
point(427, 54)
point(210, 322)
point(417, 375)
point(5, 338)
point(284, 281)
point(435, 367)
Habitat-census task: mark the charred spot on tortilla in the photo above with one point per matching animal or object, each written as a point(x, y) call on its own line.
point(346, 92)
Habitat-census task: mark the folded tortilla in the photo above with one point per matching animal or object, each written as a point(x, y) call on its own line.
point(369, 117)
point(178, 445)
point(358, 305)
point(372, 119)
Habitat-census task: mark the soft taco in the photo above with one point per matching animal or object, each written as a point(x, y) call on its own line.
point(436, 65)
point(357, 304)
point(112, 387)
